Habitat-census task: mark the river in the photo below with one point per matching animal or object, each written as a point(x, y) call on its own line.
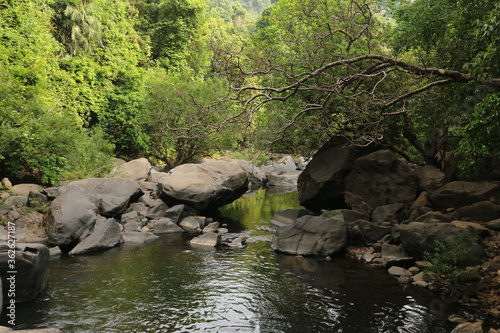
point(168, 286)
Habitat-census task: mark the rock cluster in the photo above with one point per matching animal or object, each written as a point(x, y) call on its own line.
point(395, 213)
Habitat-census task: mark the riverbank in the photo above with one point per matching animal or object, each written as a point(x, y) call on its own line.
point(394, 216)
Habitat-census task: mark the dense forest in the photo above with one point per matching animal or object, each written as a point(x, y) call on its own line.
point(82, 81)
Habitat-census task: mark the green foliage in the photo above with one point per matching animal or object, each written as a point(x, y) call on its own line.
point(257, 157)
point(481, 143)
point(182, 117)
point(450, 258)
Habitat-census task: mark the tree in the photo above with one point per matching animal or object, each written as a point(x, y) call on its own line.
point(333, 62)
point(40, 138)
point(179, 116)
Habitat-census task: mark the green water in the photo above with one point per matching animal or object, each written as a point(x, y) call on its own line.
point(168, 286)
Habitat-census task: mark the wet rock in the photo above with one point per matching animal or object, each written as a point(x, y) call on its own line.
point(322, 183)
point(209, 239)
point(70, 215)
point(32, 262)
point(239, 241)
point(462, 193)
point(203, 186)
point(190, 224)
point(380, 178)
point(399, 271)
point(211, 227)
point(106, 235)
point(312, 235)
point(138, 237)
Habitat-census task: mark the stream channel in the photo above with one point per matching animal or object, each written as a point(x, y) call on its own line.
point(168, 286)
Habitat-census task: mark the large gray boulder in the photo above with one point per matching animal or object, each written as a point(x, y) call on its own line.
point(31, 263)
point(106, 235)
point(137, 170)
point(69, 216)
point(420, 237)
point(312, 235)
point(203, 186)
point(380, 178)
point(463, 193)
point(111, 196)
point(322, 183)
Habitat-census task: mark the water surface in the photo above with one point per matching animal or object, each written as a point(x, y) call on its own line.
point(168, 286)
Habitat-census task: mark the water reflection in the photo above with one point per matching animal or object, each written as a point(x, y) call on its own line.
point(168, 286)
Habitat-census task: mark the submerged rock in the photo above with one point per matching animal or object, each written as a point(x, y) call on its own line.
point(312, 235)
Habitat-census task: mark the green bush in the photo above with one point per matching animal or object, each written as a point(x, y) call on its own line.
point(450, 259)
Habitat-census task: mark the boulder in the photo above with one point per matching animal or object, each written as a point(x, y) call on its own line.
point(166, 226)
point(69, 216)
point(312, 235)
point(191, 224)
point(463, 193)
point(432, 216)
point(380, 178)
point(392, 212)
point(287, 216)
point(25, 189)
point(31, 264)
point(210, 239)
point(430, 178)
point(286, 164)
point(138, 237)
point(106, 235)
point(322, 183)
point(204, 186)
point(467, 327)
point(370, 232)
point(285, 182)
point(419, 237)
point(256, 176)
point(211, 227)
point(37, 200)
point(480, 211)
point(155, 176)
point(111, 196)
point(137, 170)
